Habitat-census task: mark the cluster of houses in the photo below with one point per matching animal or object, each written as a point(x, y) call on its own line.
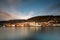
point(34, 23)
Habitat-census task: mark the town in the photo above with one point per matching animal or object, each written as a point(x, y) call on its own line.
point(34, 23)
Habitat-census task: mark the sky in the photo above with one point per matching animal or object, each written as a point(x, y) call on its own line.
point(24, 9)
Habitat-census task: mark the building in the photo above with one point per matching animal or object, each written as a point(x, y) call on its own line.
point(34, 23)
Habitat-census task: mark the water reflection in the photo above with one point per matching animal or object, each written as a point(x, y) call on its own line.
point(30, 33)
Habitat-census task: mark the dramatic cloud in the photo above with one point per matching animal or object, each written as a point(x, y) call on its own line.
point(5, 16)
point(24, 9)
point(14, 15)
point(30, 14)
point(20, 15)
point(53, 9)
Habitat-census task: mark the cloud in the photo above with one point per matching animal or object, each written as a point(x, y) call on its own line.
point(15, 15)
point(5, 16)
point(13, 12)
point(53, 9)
point(10, 15)
point(15, 3)
point(30, 14)
point(56, 12)
point(20, 15)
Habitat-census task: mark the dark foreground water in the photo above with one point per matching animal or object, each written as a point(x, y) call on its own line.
point(21, 34)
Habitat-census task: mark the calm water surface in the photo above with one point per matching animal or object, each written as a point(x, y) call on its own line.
point(26, 34)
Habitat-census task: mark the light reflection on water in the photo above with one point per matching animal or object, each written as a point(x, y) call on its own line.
point(20, 33)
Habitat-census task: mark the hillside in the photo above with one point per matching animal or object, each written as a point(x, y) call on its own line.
point(34, 19)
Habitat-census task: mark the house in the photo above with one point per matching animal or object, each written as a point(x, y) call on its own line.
point(34, 23)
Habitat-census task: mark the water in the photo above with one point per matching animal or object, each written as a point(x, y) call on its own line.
point(24, 33)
